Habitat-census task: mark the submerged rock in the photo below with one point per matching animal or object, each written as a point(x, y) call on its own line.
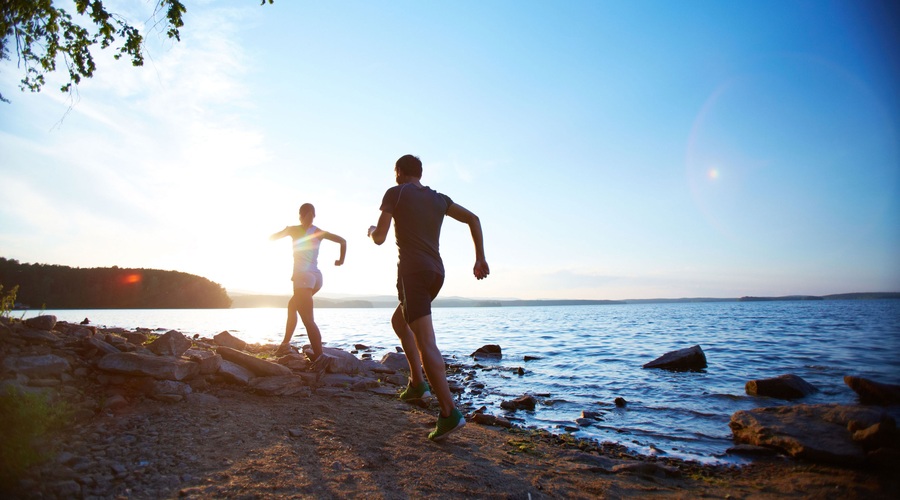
point(782, 387)
point(489, 351)
point(688, 359)
point(526, 402)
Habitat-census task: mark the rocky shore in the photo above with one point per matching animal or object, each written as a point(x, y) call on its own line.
point(163, 416)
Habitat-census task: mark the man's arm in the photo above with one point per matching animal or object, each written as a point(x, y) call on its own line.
point(458, 212)
point(341, 241)
point(379, 233)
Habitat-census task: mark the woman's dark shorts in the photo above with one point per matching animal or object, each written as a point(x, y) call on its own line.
point(416, 291)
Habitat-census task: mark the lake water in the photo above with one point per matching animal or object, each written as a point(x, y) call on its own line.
point(589, 355)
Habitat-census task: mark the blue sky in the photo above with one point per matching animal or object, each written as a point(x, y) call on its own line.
point(613, 150)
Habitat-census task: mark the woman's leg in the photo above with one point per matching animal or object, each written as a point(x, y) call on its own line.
point(305, 309)
point(291, 323)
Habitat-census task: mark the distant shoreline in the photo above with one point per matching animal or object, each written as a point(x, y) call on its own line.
point(250, 301)
point(243, 301)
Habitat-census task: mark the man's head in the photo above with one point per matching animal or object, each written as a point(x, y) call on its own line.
point(408, 166)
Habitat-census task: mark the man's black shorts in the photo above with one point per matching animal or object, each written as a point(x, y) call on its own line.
point(416, 291)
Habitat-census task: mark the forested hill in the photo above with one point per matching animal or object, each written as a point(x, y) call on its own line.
point(43, 286)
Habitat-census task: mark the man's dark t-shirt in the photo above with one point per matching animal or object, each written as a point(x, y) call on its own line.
point(418, 213)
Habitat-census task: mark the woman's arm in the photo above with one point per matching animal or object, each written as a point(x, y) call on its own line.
point(341, 241)
point(281, 234)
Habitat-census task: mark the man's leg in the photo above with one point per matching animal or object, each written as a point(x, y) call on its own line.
point(305, 309)
point(408, 341)
point(433, 363)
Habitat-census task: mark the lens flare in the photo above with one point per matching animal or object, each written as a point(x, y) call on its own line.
point(132, 278)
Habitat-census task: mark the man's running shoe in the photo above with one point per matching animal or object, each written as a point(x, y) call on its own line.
point(411, 393)
point(446, 425)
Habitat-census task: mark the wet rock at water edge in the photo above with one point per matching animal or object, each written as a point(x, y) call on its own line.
point(489, 351)
point(525, 402)
point(687, 359)
point(873, 393)
point(821, 433)
point(485, 419)
point(395, 361)
point(782, 387)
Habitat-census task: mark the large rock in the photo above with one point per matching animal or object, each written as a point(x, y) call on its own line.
point(36, 336)
point(782, 387)
point(879, 436)
point(688, 359)
point(209, 361)
point(47, 365)
point(396, 361)
point(228, 340)
point(172, 343)
point(814, 432)
point(282, 385)
point(259, 367)
point(101, 345)
point(873, 393)
point(158, 367)
point(45, 322)
point(136, 338)
point(159, 387)
point(342, 361)
point(235, 373)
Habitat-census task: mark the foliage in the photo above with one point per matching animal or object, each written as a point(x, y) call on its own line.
point(44, 33)
point(7, 300)
point(26, 421)
point(63, 287)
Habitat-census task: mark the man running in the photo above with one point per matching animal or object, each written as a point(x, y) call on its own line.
point(418, 212)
